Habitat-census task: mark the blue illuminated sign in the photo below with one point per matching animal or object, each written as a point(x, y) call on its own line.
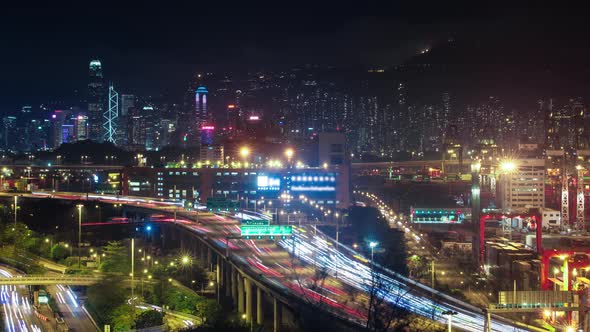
point(324, 182)
point(268, 182)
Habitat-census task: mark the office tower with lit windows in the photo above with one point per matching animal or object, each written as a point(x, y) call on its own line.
point(96, 101)
point(202, 116)
point(127, 102)
point(9, 132)
point(81, 127)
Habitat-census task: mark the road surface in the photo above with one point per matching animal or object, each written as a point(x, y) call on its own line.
point(71, 309)
point(18, 312)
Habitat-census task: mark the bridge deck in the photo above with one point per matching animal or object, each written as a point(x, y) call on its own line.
point(50, 280)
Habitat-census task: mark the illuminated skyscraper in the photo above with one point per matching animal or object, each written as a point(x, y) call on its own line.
point(127, 102)
point(201, 115)
point(110, 117)
point(81, 127)
point(126, 105)
point(96, 101)
point(207, 135)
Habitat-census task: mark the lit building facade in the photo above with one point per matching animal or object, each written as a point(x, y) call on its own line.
point(96, 100)
point(523, 188)
point(327, 187)
point(201, 113)
point(81, 127)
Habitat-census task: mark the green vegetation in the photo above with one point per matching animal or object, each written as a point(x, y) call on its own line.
point(22, 238)
point(59, 252)
point(175, 298)
point(116, 258)
point(209, 311)
point(20, 260)
point(107, 302)
point(122, 317)
point(148, 319)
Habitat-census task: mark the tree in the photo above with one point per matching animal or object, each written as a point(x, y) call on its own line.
point(209, 311)
point(104, 296)
point(16, 234)
point(59, 252)
point(122, 318)
point(148, 319)
point(116, 258)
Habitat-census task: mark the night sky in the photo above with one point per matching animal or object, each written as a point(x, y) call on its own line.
point(149, 47)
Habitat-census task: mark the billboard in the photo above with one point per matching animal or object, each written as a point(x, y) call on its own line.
point(268, 182)
point(318, 182)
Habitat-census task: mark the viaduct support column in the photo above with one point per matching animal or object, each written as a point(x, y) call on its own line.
point(203, 252)
point(259, 307)
point(219, 276)
point(248, 286)
point(209, 258)
point(218, 272)
point(234, 286)
point(240, 294)
point(278, 315)
point(229, 283)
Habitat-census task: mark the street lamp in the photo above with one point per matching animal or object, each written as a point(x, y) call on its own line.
point(15, 209)
point(187, 261)
point(337, 230)
point(244, 153)
point(372, 245)
point(507, 166)
point(50, 241)
point(289, 153)
point(449, 314)
point(79, 206)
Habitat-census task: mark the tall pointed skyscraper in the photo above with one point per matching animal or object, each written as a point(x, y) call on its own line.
point(96, 101)
point(201, 114)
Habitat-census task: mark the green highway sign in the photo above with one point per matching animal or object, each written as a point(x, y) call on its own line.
point(253, 222)
point(272, 230)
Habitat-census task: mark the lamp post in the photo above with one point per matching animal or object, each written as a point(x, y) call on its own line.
point(372, 245)
point(449, 314)
point(187, 261)
point(132, 269)
point(50, 241)
point(244, 153)
point(99, 212)
point(144, 272)
point(15, 209)
point(337, 230)
point(289, 153)
point(79, 206)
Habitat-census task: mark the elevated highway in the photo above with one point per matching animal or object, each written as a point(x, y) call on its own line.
point(68, 280)
point(410, 166)
point(263, 277)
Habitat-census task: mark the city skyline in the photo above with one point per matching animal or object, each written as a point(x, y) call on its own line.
point(159, 55)
point(294, 167)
